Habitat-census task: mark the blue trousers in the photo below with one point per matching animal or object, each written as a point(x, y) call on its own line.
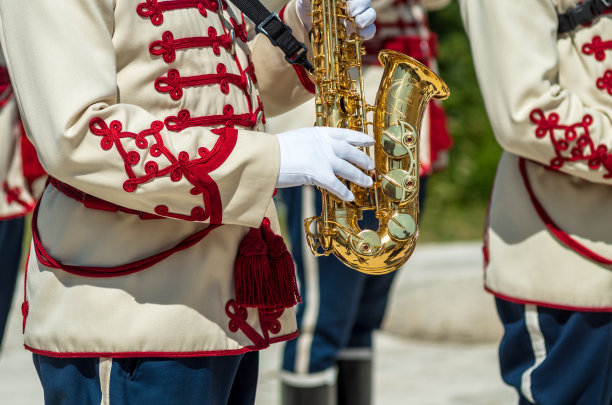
point(556, 357)
point(11, 236)
point(215, 380)
point(341, 307)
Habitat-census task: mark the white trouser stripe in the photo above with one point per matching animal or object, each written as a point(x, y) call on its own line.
point(325, 377)
point(311, 302)
point(538, 346)
point(105, 372)
point(356, 353)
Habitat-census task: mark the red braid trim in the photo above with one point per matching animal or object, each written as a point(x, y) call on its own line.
point(96, 203)
point(184, 120)
point(173, 83)
point(167, 46)
point(154, 9)
point(45, 258)
point(560, 234)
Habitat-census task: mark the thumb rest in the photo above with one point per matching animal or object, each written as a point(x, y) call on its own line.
point(404, 92)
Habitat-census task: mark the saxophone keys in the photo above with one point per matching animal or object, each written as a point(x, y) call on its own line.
point(398, 140)
point(402, 226)
point(398, 185)
point(366, 242)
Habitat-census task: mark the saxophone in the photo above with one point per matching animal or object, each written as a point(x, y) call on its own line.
point(404, 92)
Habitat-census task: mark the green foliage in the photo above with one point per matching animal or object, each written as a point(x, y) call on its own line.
point(455, 207)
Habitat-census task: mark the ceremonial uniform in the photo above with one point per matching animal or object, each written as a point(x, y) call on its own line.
point(548, 249)
point(22, 180)
point(331, 361)
point(151, 237)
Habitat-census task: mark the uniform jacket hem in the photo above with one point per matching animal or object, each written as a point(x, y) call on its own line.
point(17, 215)
point(205, 353)
point(527, 301)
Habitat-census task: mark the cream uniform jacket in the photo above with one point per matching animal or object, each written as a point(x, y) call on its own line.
point(549, 100)
point(148, 116)
point(21, 180)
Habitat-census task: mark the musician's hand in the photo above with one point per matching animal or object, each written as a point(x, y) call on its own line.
point(360, 10)
point(364, 16)
point(316, 155)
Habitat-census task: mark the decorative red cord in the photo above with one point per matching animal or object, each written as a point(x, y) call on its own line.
point(45, 258)
point(184, 120)
point(597, 47)
point(168, 45)
point(560, 234)
point(173, 83)
point(154, 10)
point(605, 82)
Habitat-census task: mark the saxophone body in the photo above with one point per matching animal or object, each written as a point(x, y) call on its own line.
point(406, 88)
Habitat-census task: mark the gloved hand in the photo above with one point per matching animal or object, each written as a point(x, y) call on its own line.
point(360, 10)
point(315, 156)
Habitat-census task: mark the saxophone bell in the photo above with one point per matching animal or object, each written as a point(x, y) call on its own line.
point(405, 89)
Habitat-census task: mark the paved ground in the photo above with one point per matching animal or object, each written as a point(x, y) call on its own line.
point(438, 346)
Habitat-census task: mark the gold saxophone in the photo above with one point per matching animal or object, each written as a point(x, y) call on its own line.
point(404, 92)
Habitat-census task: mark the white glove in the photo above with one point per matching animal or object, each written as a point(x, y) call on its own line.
point(360, 10)
point(315, 156)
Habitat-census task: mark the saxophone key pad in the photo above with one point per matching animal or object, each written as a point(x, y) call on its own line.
point(398, 185)
point(366, 243)
point(402, 226)
point(391, 140)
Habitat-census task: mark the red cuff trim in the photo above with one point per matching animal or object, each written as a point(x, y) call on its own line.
point(14, 195)
point(573, 142)
point(32, 169)
point(560, 234)
point(149, 144)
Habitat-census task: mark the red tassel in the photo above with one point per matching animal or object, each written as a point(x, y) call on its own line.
point(252, 272)
point(264, 271)
point(282, 267)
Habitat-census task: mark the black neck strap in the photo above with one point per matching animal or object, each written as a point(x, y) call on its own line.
point(582, 14)
point(270, 25)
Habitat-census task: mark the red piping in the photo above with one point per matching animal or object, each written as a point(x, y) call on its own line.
point(277, 339)
point(560, 234)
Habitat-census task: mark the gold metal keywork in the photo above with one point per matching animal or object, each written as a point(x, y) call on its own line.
point(406, 88)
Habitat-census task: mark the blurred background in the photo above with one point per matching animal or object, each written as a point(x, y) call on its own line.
point(457, 197)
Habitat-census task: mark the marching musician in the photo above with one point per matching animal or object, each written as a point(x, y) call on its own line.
point(544, 69)
point(156, 271)
point(21, 182)
point(331, 361)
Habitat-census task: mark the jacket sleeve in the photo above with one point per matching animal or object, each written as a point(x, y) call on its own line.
point(519, 62)
point(63, 65)
point(282, 86)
